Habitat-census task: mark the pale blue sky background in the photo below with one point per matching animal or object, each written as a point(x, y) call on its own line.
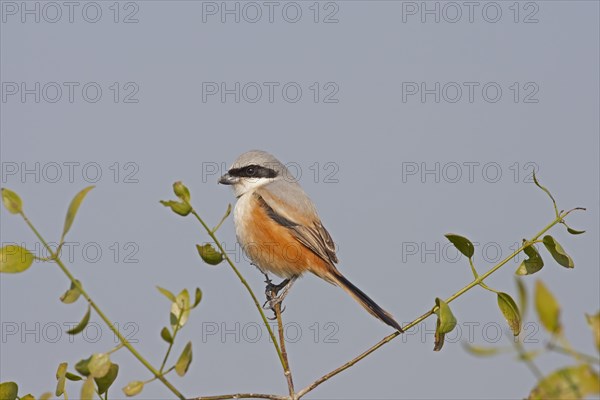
point(388, 222)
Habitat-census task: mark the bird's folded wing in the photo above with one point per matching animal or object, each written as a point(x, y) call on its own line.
point(299, 216)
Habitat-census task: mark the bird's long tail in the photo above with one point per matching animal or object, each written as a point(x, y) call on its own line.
point(373, 308)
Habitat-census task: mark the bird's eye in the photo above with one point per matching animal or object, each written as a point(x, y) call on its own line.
point(250, 171)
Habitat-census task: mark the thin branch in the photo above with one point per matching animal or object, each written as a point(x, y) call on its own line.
point(116, 348)
point(243, 396)
point(462, 291)
point(287, 372)
point(557, 213)
point(246, 285)
point(535, 370)
point(216, 228)
point(573, 353)
point(477, 281)
point(175, 330)
point(104, 318)
point(350, 363)
point(528, 361)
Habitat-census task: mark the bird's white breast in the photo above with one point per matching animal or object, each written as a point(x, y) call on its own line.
point(241, 218)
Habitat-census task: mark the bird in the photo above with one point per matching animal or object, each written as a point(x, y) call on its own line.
point(278, 228)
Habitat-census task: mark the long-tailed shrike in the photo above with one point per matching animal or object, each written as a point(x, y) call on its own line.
point(279, 229)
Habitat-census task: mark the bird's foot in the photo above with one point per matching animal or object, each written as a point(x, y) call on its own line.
point(272, 290)
point(268, 307)
point(276, 293)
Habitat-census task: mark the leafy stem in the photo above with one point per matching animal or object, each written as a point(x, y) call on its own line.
point(477, 281)
point(172, 341)
point(216, 228)
point(476, 276)
point(211, 233)
point(573, 353)
point(55, 257)
point(162, 374)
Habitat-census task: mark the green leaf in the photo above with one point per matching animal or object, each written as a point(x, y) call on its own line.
point(82, 366)
point(481, 351)
point(574, 231)
point(197, 298)
point(183, 363)
point(571, 230)
point(133, 388)
point(88, 389)
point(445, 323)
point(61, 373)
point(532, 264)
point(72, 211)
point(107, 380)
point(73, 377)
point(180, 309)
point(8, 390)
point(547, 308)
point(576, 382)
point(12, 201)
point(99, 365)
point(181, 191)
point(209, 254)
point(510, 311)
point(463, 244)
point(522, 292)
point(15, 259)
point(558, 253)
point(28, 397)
point(82, 324)
point(446, 319)
point(177, 207)
point(166, 335)
point(167, 293)
point(71, 295)
point(594, 323)
point(46, 396)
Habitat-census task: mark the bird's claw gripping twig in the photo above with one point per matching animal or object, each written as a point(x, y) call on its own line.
point(276, 293)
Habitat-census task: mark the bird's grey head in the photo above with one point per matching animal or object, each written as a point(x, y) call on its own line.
point(252, 170)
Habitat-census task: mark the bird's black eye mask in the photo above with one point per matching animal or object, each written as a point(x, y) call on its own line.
point(253, 171)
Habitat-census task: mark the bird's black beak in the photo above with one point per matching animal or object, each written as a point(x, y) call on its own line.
point(227, 179)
